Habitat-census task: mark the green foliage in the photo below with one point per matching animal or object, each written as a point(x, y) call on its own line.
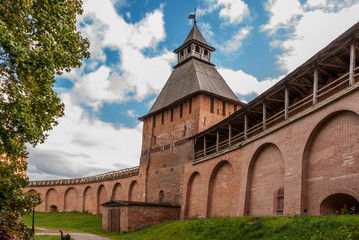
point(347, 211)
point(38, 40)
point(266, 228)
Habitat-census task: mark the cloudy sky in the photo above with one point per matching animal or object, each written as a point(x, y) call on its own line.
point(257, 43)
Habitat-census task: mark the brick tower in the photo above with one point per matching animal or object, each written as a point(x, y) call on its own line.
point(194, 98)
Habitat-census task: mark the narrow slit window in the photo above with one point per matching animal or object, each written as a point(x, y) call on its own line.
point(212, 104)
point(171, 114)
point(190, 106)
point(154, 121)
point(224, 109)
point(163, 118)
point(181, 110)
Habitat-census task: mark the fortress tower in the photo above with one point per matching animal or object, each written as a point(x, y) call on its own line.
point(194, 98)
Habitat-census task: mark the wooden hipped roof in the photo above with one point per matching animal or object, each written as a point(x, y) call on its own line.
point(194, 76)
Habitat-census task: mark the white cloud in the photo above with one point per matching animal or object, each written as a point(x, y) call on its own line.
point(135, 74)
point(232, 11)
point(132, 113)
point(244, 84)
point(235, 43)
point(81, 146)
point(310, 32)
point(284, 14)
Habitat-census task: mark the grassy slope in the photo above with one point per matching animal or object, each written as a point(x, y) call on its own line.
point(297, 227)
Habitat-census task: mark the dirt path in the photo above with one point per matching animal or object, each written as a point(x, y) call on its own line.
point(74, 235)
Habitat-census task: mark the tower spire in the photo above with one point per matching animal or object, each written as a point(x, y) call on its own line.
point(193, 16)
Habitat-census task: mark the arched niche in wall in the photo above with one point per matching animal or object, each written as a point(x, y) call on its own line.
point(51, 199)
point(89, 204)
point(265, 182)
point(101, 197)
point(194, 197)
point(71, 200)
point(118, 193)
point(331, 159)
point(223, 191)
point(134, 193)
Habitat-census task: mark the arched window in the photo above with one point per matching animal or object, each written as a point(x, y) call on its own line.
point(181, 54)
point(280, 201)
point(189, 49)
point(197, 49)
point(206, 52)
point(161, 197)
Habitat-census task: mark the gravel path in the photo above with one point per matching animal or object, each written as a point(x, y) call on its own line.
point(76, 236)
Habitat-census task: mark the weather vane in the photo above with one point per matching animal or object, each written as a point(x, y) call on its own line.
point(193, 16)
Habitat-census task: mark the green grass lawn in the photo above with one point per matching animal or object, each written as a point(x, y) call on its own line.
point(297, 227)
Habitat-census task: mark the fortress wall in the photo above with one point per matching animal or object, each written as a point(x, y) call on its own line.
point(86, 196)
point(280, 159)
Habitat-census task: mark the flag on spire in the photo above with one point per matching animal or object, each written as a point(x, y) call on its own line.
point(193, 16)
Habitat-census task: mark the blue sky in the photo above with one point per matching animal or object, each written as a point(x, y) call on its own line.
point(257, 43)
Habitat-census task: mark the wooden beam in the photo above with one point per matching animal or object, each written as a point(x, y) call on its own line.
point(301, 84)
point(298, 90)
point(264, 116)
point(332, 65)
point(229, 134)
point(325, 72)
point(315, 86)
point(275, 100)
point(204, 145)
point(352, 63)
point(286, 103)
point(217, 141)
point(341, 61)
point(245, 126)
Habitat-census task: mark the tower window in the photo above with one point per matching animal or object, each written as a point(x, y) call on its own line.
point(190, 106)
point(181, 110)
point(184, 131)
point(163, 118)
point(171, 114)
point(181, 54)
point(197, 49)
point(206, 52)
point(224, 109)
point(189, 49)
point(212, 104)
point(154, 121)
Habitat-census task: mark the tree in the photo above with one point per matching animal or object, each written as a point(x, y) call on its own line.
point(38, 40)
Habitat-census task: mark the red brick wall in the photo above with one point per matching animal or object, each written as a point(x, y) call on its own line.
point(51, 199)
point(195, 193)
point(101, 197)
point(331, 160)
point(89, 203)
point(135, 217)
point(118, 192)
point(266, 176)
point(71, 200)
point(222, 191)
point(134, 192)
